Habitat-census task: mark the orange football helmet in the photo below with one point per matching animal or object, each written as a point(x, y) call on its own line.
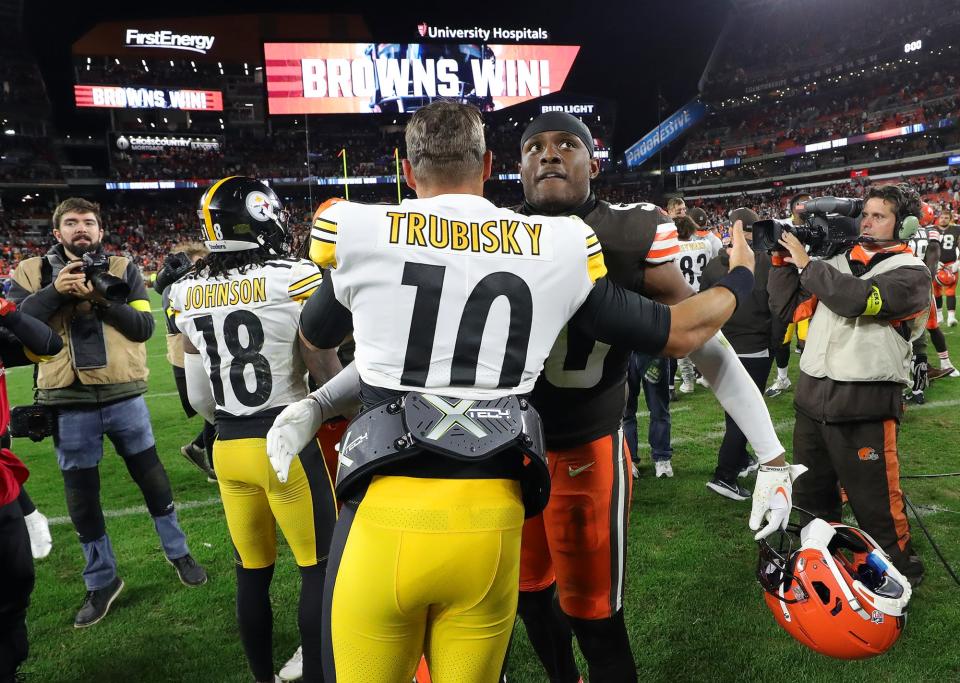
point(946, 278)
point(838, 594)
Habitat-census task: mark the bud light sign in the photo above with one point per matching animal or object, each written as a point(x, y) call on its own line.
point(665, 133)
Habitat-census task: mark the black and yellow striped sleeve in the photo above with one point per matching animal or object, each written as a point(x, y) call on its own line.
point(323, 236)
point(304, 282)
point(596, 268)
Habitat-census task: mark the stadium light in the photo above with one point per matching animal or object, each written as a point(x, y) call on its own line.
point(9, 131)
point(116, 61)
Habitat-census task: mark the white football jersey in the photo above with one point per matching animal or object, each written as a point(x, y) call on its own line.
point(245, 327)
point(452, 293)
point(694, 255)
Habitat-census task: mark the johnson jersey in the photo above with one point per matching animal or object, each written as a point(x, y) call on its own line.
point(949, 238)
point(581, 394)
point(694, 255)
point(453, 294)
point(245, 327)
point(921, 240)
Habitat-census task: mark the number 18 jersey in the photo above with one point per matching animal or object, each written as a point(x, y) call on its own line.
point(245, 327)
point(453, 294)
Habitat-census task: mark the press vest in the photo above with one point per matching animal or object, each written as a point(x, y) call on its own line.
point(861, 349)
point(126, 360)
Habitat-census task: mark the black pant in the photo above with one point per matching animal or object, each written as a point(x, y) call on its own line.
point(16, 584)
point(862, 458)
point(733, 449)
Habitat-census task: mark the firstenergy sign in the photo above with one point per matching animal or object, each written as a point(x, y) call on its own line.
point(168, 40)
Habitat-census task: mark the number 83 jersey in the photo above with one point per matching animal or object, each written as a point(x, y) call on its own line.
point(245, 327)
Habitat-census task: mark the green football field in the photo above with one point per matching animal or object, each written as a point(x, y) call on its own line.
point(693, 608)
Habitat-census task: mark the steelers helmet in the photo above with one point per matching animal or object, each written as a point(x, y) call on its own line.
point(238, 213)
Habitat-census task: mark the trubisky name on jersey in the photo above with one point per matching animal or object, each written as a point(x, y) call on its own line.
point(248, 291)
point(502, 236)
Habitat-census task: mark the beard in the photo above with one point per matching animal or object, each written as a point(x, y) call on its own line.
point(79, 250)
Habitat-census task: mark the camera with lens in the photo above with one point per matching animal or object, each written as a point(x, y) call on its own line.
point(96, 268)
point(830, 225)
point(35, 422)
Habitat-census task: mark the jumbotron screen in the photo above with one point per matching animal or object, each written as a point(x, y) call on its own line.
point(137, 97)
point(351, 78)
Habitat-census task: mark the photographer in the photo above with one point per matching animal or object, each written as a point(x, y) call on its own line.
point(98, 306)
point(22, 340)
point(865, 305)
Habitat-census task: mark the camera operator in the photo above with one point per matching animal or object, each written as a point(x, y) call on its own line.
point(98, 306)
point(865, 305)
point(22, 341)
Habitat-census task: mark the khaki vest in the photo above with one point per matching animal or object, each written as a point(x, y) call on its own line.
point(175, 350)
point(861, 349)
point(126, 360)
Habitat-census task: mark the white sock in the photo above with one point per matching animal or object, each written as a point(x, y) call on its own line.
point(782, 373)
point(945, 359)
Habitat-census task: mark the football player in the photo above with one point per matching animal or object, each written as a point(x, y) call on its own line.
point(696, 250)
point(576, 548)
point(454, 305)
point(238, 312)
point(949, 234)
point(926, 246)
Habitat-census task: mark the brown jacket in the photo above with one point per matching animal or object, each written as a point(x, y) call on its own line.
point(903, 293)
point(125, 357)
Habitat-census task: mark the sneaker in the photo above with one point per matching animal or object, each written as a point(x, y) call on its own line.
point(197, 457)
point(752, 467)
point(97, 603)
point(687, 387)
point(951, 320)
point(939, 317)
point(702, 381)
point(732, 491)
point(634, 470)
point(190, 573)
point(778, 387)
point(916, 397)
point(293, 669)
point(663, 468)
point(937, 373)
point(39, 530)
point(673, 396)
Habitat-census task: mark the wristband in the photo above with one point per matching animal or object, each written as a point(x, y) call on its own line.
point(739, 281)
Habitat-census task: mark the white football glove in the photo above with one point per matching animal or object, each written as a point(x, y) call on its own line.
point(773, 498)
point(291, 431)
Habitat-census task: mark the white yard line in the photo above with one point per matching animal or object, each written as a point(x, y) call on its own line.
point(778, 426)
point(142, 510)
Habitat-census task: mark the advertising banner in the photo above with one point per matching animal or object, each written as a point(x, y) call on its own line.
point(665, 133)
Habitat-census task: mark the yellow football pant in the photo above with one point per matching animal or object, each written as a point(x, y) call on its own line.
point(800, 328)
point(428, 566)
point(255, 501)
